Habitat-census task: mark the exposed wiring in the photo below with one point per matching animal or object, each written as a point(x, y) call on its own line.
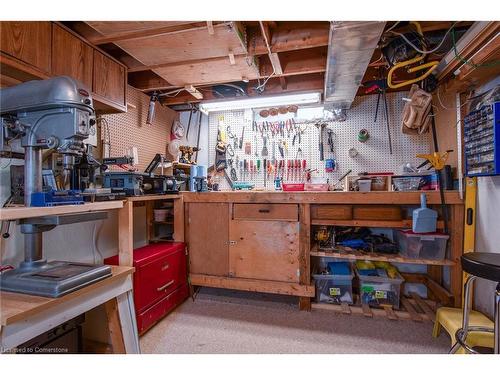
point(10, 152)
point(261, 87)
point(392, 27)
point(171, 94)
point(468, 62)
point(423, 51)
point(95, 237)
point(376, 61)
point(445, 107)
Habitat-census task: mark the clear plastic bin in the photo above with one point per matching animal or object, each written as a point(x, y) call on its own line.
point(333, 288)
point(422, 245)
point(378, 291)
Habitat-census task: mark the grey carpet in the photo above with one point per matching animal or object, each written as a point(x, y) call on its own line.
point(220, 321)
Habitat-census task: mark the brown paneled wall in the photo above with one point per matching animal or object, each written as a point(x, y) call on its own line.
point(130, 128)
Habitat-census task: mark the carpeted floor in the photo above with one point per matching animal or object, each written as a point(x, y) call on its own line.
point(221, 321)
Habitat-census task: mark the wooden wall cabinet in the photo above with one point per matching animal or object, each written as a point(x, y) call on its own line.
point(25, 49)
point(28, 42)
point(40, 50)
point(71, 56)
point(109, 80)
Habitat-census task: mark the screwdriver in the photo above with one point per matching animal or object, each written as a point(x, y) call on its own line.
point(303, 166)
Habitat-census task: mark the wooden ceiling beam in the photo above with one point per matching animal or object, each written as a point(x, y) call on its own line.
point(273, 56)
point(291, 36)
point(307, 83)
point(149, 33)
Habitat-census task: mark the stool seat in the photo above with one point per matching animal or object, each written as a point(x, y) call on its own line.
point(450, 319)
point(483, 265)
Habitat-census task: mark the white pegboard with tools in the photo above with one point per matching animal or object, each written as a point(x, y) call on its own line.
point(372, 155)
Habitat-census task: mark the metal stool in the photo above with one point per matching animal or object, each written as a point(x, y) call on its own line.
point(485, 266)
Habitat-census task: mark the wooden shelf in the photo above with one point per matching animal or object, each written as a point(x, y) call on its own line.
point(182, 165)
point(14, 213)
point(403, 224)
point(163, 222)
point(381, 257)
point(17, 306)
point(413, 308)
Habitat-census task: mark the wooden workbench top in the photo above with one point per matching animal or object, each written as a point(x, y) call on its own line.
point(153, 197)
point(333, 197)
point(17, 306)
point(14, 213)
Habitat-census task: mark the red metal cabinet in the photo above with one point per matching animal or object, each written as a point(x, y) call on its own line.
point(160, 281)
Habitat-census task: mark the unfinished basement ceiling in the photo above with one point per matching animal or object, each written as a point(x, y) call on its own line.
point(291, 56)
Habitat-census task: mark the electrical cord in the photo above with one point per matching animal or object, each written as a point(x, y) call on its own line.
point(468, 62)
point(422, 51)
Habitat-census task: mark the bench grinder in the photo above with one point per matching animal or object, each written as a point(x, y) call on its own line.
point(51, 114)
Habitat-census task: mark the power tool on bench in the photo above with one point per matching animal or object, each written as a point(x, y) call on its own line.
point(52, 114)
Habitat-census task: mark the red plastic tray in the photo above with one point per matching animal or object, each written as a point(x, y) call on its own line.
point(293, 187)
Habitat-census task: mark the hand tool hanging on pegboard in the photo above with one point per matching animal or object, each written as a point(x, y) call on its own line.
point(242, 136)
point(189, 122)
point(198, 136)
point(321, 126)
point(380, 86)
point(330, 139)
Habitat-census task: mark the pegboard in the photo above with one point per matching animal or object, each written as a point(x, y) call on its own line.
point(130, 129)
point(373, 155)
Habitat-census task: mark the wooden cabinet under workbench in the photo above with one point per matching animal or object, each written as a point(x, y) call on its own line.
point(261, 241)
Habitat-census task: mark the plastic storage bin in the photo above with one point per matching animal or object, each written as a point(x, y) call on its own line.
point(378, 291)
point(422, 245)
point(331, 288)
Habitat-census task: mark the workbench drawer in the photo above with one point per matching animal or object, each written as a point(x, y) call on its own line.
point(257, 211)
point(152, 315)
point(159, 278)
point(377, 212)
point(331, 211)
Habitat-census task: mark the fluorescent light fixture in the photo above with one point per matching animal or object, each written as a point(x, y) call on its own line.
point(260, 102)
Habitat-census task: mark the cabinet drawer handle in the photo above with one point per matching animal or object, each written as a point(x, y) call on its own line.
point(264, 210)
point(165, 286)
point(165, 267)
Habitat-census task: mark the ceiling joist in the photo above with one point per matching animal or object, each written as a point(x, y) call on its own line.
point(154, 32)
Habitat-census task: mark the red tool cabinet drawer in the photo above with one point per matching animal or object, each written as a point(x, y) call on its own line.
point(159, 269)
point(159, 278)
point(150, 316)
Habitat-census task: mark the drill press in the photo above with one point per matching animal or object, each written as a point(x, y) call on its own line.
point(36, 115)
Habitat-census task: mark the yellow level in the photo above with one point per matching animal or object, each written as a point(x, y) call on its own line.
point(469, 221)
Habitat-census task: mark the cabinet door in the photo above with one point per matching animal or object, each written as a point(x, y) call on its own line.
point(264, 250)
point(208, 236)
point(71, 56)
point(29, 42)
point(109, 79)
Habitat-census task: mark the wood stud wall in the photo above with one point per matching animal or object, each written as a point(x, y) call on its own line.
point(130, 129)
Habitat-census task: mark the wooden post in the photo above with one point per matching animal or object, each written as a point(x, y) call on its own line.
point(114, 326)
point(150, 228)
point(126, 234)
point(304, 252)
point(456, 249)
point(179, 219)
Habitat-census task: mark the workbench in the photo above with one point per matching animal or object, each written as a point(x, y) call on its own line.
point(261, 241)
point(25, 316)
